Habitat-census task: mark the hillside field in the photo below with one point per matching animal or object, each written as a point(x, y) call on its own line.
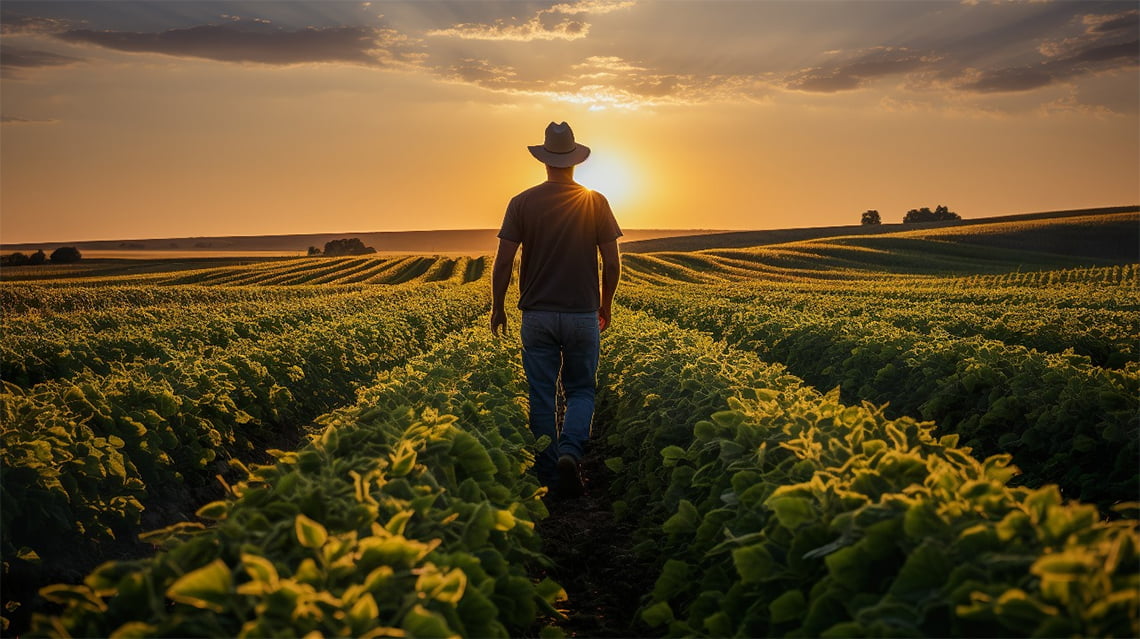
point(919, 432)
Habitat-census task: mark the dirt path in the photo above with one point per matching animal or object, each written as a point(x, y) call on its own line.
point(593, 560)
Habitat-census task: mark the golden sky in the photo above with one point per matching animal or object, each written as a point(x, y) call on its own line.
point(172, 119)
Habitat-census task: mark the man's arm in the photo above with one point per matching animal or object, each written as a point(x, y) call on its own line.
point(500, 282)
point(611, 273)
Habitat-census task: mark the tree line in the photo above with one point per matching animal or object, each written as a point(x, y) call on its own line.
point(349, 246)
point(62, 255)
point(939, 214)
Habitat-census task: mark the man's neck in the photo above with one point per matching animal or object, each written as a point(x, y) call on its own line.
point(560, 174)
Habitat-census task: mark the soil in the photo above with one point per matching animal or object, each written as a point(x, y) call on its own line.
point(594, 561)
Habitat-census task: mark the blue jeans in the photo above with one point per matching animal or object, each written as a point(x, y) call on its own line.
point(555, 343)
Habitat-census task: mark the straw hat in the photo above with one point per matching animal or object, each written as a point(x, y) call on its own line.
point(560, 149)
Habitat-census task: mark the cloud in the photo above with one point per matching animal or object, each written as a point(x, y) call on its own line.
point(482, 73)
point(1104, 43)
point(1108, 43)
point(7, 119)
point(547, 24)
point(534, 29)
point(14, 60)
point(610, 82)
point(607, 64)
point(857, 68)
point(225, 43)
point(13, 24)
point(592, 6)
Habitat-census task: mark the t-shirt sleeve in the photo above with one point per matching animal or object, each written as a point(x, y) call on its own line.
point(512, 223)
point(606, 226)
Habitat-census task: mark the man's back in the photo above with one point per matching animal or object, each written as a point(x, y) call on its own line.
point(560, 226)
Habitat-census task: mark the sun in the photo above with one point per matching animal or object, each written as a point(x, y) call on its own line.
point(611, 175)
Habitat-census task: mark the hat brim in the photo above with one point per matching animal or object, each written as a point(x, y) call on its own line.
point(560, 160)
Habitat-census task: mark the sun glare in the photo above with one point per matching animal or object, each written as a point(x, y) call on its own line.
point(611, 176)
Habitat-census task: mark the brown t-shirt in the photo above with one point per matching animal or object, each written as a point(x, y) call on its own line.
point(560, 225)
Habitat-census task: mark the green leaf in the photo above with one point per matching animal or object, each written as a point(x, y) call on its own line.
point(310, 533)
point(685, 520)
point(259, 568)
point(1022, 613)
point(674, 578)
point(657, 615)
point(215, 510)
point(471, 454)
point(926, 569)
point(790, 606)
point(399, 521)
point(728, 418)
point(791, 511)
point(210, 587)
point(403, 459)
point(672, 454)
point(447, 588)
point(363, 613)
point(921, 520)
point(1071, 565)
point(66, 595)
point(421, 622)
point(753, 563)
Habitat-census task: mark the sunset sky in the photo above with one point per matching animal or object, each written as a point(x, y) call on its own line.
point(171, 119)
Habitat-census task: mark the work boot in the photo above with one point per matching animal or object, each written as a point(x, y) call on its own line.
point(569, 479)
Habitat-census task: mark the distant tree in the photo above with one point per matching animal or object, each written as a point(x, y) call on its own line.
point(314, 251)
point(349, 246)
point(37, 258)
point(939, 214)
point(16, 259)
point(66, 255)
point(871, 216)
point(944, 213)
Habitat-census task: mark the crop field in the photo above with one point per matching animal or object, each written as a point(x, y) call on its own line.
point(875, 435)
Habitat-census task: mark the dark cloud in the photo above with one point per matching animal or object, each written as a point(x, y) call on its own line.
point(1129, 21)
point(483, 73)
point(1102, 43)
point(857, 68)
point(1008, 80)
point(546, 24)
point(1108, 43)
point(225, 43)
point(13, 60)
point(13, 24)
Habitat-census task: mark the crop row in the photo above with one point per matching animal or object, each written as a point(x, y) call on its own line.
point(81, 455)
point(341, 271)
point(875, 257)
point(775, 510)
point(1064, 420)
point(86, 296)
point(42, 346)
point(410, 512)
point(1089, 319)
point(1128, 274)
point(407, 513)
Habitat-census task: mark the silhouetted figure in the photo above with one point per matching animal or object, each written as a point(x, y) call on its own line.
point(562, 227)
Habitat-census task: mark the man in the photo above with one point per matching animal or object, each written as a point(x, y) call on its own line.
point(561, 226)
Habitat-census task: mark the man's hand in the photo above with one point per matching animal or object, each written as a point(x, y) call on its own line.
point(498, 321)
point(603, 318)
